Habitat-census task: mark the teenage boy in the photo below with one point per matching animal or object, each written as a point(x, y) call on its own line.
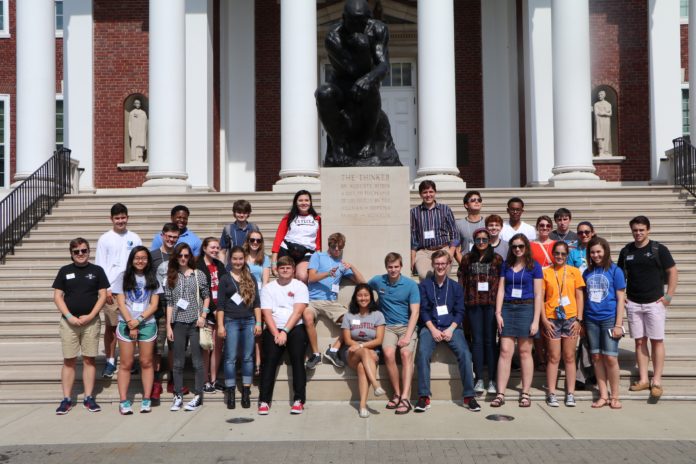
point(648, 266)
point(113, 249)
point(399, 301)
point(562, 218)
point(466, 227)
point(441, 316)
point(180, 216)
point(235, 233)
point(79, 294)
point(326, 269)
point(432, 228)
point(515, 225)
point(494, 224)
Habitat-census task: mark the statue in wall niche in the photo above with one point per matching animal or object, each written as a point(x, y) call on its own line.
point(602, 115)
point(349, 103)
point(137, 131)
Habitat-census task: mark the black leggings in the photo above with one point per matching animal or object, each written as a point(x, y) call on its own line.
point(272, 356)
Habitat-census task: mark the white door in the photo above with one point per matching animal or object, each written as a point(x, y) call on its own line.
point(399, 103)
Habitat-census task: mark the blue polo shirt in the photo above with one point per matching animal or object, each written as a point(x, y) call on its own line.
point(323, 262)
point(187, 236)
point(394, 299)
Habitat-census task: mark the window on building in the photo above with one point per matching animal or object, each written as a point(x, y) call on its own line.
point(59, 123)
point(59, 17)
point(399, 75)
point(684, 8)
point(4, 140)
point(685, 111)
point(4, 18)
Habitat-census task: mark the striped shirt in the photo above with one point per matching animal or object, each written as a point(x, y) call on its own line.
point(437, 222)
point(185, 289)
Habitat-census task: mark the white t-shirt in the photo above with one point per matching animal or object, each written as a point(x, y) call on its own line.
point(303, 231)
point(282, 298)
point(524, 228)
point(137, 300)
point(113, 250)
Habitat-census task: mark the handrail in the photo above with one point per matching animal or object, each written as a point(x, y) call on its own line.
point(31, 200)
point(684, 160)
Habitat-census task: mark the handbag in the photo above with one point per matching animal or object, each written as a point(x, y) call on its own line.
point(205, 334)
point(297, 251)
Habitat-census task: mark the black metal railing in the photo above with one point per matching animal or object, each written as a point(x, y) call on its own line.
point(27, 204)
point(684, 160)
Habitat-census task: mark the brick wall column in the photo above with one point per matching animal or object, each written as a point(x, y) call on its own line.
point(167, 118)
point(437, 112)
point(36, 86)
point(572, 94)
point(299, 122)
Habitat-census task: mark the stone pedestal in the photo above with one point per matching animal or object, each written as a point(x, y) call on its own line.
point(370, 206)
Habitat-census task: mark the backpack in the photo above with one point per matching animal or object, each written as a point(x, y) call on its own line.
point(654, 252)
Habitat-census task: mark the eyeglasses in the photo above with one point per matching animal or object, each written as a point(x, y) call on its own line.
point(140, 258)
point(481, 240)
point(475, 200)
point(560, 253)
point(517, 247)
point(440, 264)
point(514, 210)
point(255, 240)
point(183, 255)
point(584, 232)
point(80, 251)
point(335, 247)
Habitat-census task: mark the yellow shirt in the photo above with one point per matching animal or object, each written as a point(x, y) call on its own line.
point(553, 280)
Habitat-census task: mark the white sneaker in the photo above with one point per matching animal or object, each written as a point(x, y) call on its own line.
point(364, 413)
point(176, 404)
point(194, 404)
point(479, 387)
point(492, 388)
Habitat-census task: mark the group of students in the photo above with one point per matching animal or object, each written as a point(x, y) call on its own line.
point(216, 297)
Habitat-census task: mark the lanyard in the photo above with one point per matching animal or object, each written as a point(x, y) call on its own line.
point(234, 282)
point(521, 279)
point(446, 291)
point(561, 284)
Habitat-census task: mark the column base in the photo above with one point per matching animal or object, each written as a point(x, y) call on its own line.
point(295, 183)
point(576, 179)
point(166, 185)
point(443, 182)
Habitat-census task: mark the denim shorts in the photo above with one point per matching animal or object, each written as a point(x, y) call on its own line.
point(598, 336)
point(561, 328)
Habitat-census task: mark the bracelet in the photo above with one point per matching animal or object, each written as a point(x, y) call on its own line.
point(286, 330)
point(68, 317)
point(140, 319)
point(206, 310)
point(667, 297)
point(258, 324)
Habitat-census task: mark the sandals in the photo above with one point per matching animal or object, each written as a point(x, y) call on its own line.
point(498, 401)
point(525, 400)
point(404, 407)
point(394, 402)
point(615, 404)
point(600, 403)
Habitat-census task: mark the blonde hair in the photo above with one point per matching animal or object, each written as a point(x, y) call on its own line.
point(247, 283)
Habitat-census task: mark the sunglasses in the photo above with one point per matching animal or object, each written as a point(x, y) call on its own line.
point(80, 251)
point(517, 247)
point(481, 240)
point(544, 226)
point(584, 232)
point(475, 200)
point(183, 255)
point(560, 253)
point(255, 240)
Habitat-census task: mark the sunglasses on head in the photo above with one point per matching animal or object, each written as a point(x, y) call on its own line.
point(80, 251)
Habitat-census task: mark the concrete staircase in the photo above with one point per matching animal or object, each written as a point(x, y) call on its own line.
point(30, 355)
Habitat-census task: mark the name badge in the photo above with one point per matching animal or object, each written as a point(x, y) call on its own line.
point(70, 276)
point(183, 304)
point(355, 322)
point(335, 288)
point(138, 307)
point(517, 293)
point(483, 286)
point(428, 234)
point(565, 301)
point(629, 258)
point(214, 294)
point(442, 310)
point(596, 296)
point(237, 298)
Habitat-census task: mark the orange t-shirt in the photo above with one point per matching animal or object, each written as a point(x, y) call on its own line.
point(553, 279)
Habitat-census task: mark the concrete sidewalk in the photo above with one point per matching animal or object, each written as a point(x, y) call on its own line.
point(339, 421)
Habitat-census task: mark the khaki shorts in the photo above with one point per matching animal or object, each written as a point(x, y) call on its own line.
point(111, 313)
point(329, 309)
point(80, 338)
point(393, 333)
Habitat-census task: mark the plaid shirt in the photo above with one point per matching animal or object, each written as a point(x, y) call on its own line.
point(438, 219)
point(185, 289)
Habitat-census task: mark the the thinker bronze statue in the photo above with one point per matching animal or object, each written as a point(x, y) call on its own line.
point(349, 104)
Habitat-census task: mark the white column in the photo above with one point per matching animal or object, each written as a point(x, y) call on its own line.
point(78, 84)
point(299, 122)
point(692, 69)
point(538, 95)
point(238, 97)
point(572, 100)
point(501, 147)
point(199, 94)
point(437, 111)
point(36, 85)
point(665, 81)
point(167, 118)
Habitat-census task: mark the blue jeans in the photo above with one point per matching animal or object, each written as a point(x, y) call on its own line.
point(459, 346)
point(240, 337)
point(483, 347)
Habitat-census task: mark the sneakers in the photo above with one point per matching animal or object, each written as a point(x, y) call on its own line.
point(472, 404)
point(90, 404)
point(177, 403)
point(313, 361)
point(552, 401)
point(145, 406)
point(297, 407)
point(65, 407)
point(208, 388)
point(333, 357)
point(219, 386)
point(109, 370)
point(492, 388)
point(379, 391)
point(364, 413)
point(263, 408)
point(194, 404)
point(125, 408)
point(570, 400)
point(479, 388)
point(423, 404)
